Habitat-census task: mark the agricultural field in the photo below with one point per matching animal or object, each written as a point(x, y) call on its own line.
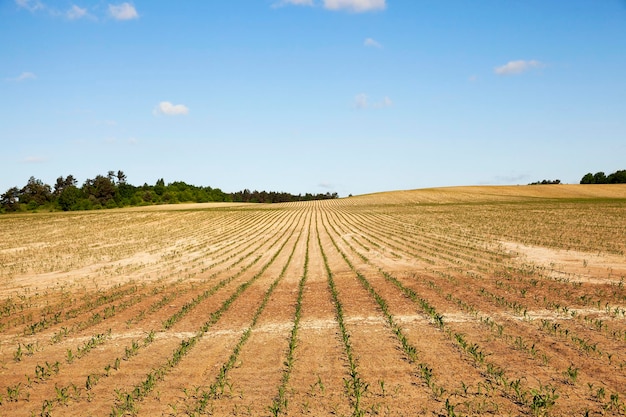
point(452, 301)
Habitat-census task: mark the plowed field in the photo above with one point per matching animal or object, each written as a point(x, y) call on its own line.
point(458, 301)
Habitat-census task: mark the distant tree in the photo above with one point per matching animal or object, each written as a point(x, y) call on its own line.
point(599, 178)
point(587, 179)
point(100, 190)
point(543, 182)
point(35, 193)
point(111, 176)
point(58, 187)
point(126, 191)
point(63, 183)
point(159, 187)
point(121, 177)
point(10, 200)
point(618, 177)
point(69, 198)
point(149, 196)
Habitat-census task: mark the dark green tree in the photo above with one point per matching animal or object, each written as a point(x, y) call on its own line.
point(10, 200)
point(63, 183)
point(35, 193)
point(121, 177)
point(599, 178)
point(159, 187)
point(587, 179)
point(101, 190)
point(69, 198)
point(618, 177)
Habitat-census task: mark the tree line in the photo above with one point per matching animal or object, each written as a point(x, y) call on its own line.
point(618, 177)
point(545, 182)
point(112, 190)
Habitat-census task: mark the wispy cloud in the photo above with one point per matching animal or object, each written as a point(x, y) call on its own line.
point(76, 12)
point(362, 101)
point(23, 77)
point(512, 178)
point(124, 11)
point(356, 6)
point(282, 3)
point(517, 67)
point(30, 5)
point(169, 109)
point(369, 42)
point(34, 160)
point(73, 13)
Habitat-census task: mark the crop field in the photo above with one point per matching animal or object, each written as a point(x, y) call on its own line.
point(452, 301)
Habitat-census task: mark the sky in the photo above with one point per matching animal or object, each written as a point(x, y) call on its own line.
point(345, 96)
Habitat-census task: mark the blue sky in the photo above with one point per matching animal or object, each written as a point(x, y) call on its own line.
point(346, 96)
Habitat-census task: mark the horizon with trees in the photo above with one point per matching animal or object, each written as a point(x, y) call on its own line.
point(617, 177)
point(113, 191)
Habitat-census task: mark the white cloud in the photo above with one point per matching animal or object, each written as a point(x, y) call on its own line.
point(34, 160)
point(124, 11)
point(23, 77)
point(169, 109)
point(372, 43)
point(30, 5)
point(362, 101)
point(73, 13)
point(357, 6)
point(26, 76)
point(517, 67)
point(386, 102)
point(282, 3)
point(76, 12)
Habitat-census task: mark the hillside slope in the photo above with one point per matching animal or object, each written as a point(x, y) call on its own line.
point(472, 194)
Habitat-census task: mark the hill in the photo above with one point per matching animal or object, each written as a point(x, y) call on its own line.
point(495, 193)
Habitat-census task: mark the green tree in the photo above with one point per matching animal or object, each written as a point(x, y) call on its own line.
point(35, 193)
point(618, 177)
point(69, 198)
point(587, 179)
point(599, 178)
point(100, 190)
point(126, 191)
point(63, 183)
point(10, 200)
point(159, 187)
point(121, 177)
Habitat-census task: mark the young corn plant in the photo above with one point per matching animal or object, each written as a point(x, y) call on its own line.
point(279, 403)
point(542, 399)
point(126, 403)
point(571, 374)
point(17, 355)
point(13, 392)
point(355, 386)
